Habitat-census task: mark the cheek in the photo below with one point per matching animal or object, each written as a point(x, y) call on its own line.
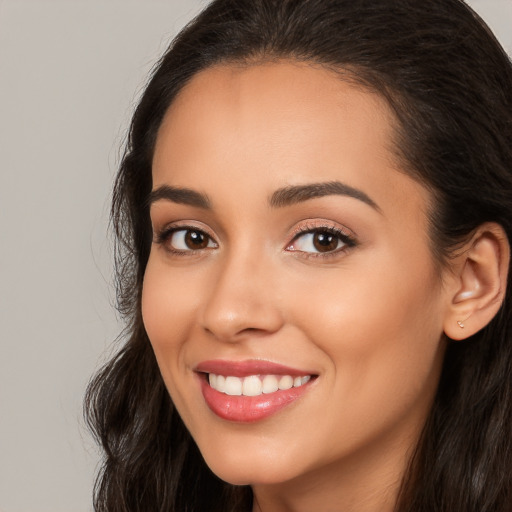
point(167, 303)
point(169, 300)
point(378, 299)
point(381, 331)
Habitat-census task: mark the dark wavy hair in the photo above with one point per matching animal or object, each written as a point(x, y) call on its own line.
point(449, 83)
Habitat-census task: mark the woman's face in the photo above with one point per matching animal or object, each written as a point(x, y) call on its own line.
point(290, 251)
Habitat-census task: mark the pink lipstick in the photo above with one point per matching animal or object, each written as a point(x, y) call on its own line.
point(249, 391)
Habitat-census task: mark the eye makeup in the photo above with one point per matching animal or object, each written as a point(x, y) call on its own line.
point(310, 239)
point(323, 239)
point(184, 240)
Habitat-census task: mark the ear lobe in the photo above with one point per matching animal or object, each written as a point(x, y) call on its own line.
point(480, 283)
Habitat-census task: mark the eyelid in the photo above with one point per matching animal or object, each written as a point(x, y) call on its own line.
point(169, 227)
point(312, 225)
point(163, 235)
point(309, 226)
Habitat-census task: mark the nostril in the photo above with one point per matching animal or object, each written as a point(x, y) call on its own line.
point(229, 315)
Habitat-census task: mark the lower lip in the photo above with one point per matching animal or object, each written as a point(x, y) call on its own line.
point(247, 409)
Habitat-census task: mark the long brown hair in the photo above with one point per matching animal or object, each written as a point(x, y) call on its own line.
point(450, 85)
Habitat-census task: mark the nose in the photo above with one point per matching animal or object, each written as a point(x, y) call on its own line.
point(243, 300)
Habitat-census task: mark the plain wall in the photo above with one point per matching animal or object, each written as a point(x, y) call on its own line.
point(70, 72)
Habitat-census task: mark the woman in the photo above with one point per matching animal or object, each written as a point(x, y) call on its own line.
point(314, 215)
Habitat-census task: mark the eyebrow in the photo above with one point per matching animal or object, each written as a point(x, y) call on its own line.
point(179, 195)
point(298, 193)
point(282, 197)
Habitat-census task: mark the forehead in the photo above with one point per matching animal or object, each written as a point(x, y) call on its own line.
point(275, 104)
point(261, 127)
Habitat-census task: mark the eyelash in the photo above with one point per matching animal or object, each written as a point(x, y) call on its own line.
point(348, 241)
point(164, 236)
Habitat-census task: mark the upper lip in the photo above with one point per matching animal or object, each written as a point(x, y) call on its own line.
point(248, 367)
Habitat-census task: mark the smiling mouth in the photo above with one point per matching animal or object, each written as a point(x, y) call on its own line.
point(251, 390)
point(252, 398)
point(255, 385)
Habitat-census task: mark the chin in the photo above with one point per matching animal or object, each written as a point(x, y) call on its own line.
point(245, 468)
point(249, 475)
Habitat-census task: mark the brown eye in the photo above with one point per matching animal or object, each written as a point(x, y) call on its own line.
point(321, 241)
point(196, 240)
point(190, 240)
point(325, 242)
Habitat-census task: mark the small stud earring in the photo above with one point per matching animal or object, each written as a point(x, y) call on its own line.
point(461, 325)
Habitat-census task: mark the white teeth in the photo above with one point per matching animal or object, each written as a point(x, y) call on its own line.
point(220, 383)
point(270, 384)
point(254, 385)
point(233, 386)
point(285, 382)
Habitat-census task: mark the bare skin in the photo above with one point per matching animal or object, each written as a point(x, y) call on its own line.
point(364, 315)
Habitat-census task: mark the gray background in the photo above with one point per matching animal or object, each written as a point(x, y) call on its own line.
point(70, 73)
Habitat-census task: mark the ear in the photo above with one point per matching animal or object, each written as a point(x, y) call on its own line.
point(477, 286)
